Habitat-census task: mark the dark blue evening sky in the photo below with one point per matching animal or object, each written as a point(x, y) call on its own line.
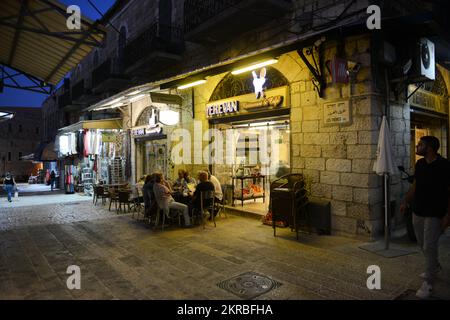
point(15, 97)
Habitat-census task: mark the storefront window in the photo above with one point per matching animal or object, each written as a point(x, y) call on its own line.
point(260, 149)
point(153, 158)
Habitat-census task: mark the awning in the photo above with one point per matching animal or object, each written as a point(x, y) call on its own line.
point(35, 38)
point(45, 152)
point(115, 123)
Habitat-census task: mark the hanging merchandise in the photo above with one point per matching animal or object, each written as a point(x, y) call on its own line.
point(86, 143)
point(80, 144)
point(64, 144)
point(73, 143)
point(92, 141)
point(68, 178)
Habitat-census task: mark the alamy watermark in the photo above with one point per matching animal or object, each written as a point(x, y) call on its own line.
point(374, 280)
point(73, 22)
point(74, 280)
point(258, 145)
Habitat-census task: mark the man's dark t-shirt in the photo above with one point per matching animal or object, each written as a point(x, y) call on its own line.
point(432, 184)
point(202, 186)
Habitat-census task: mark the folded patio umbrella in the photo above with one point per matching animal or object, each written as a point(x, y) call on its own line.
point(384, 166)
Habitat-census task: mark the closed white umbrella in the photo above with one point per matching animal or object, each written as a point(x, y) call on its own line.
point(385, 166)
point(385, 163)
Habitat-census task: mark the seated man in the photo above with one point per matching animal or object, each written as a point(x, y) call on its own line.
point(164, 198)
point(147, 190)
point(179, 182)
point(218, 194)
point(204, 185)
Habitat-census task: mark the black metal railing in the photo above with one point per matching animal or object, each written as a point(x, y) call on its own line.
point(80, 88)
point(113, 67)
point(64, 100)
point(198, 11)
point(157, 36)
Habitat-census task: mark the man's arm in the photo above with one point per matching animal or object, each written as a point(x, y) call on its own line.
point(408, 198)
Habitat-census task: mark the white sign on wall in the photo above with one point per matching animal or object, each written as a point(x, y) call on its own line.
point(336, 112)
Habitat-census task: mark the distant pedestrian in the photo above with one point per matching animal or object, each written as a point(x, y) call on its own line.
point(430, 195)
point(9, 184)
point(52, 179)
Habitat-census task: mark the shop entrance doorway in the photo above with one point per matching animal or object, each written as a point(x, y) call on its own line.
point(261, 155)
point(153, 157)
point(425, 124)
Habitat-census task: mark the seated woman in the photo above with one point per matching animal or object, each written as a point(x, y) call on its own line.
point(163, 197)
point(204, 185)
point(179, 182)
point(188, 179)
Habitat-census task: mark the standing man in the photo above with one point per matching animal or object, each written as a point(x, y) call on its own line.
point(429, 195)
point(52, 179)
point(9, 184)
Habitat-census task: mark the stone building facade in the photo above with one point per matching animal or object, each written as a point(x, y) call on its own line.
point(337, 160)
point(19, 137)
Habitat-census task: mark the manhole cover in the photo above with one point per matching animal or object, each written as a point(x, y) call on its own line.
point(249, 285)
point(411, 295)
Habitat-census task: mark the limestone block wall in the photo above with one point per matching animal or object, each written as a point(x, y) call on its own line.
point(337, 160)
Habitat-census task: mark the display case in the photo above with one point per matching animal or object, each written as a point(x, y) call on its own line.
point(248, 187)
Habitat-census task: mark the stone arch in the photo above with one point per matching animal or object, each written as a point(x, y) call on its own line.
point(142, 118)
point(235, 85)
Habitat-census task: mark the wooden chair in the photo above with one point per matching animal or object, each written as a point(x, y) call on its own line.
point(207, 200)
point(124, 199)
point(113, 197)
point(99, 192)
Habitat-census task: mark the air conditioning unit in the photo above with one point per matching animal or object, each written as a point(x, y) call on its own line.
point(423, 62)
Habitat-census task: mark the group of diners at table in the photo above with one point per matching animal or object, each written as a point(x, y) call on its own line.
point(180, 197)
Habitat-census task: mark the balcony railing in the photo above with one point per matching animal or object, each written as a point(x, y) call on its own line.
point(198, 11)
point(64, 100)
point(111, 68)
point(80, 89)
point(216, 21)
point(158, 37)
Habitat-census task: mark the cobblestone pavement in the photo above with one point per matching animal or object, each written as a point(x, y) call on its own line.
point(121, 258)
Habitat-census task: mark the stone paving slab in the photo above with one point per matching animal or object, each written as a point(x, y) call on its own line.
point(121, 258)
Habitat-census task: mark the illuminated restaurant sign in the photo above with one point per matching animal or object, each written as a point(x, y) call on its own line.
point(216, 109)
point(273, 99)
point(140, 132)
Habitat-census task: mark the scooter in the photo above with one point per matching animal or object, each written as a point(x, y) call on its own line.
point(409, 212)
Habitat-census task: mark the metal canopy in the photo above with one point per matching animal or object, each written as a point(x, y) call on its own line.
point(35, 38)
point(106, 124)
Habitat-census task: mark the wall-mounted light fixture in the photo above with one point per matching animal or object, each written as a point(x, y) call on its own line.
point(169, 117)
point(254, 66)
point(192, 84)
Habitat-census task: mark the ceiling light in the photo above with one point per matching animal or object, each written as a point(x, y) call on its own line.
point(254, 66)
point(188, 85)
